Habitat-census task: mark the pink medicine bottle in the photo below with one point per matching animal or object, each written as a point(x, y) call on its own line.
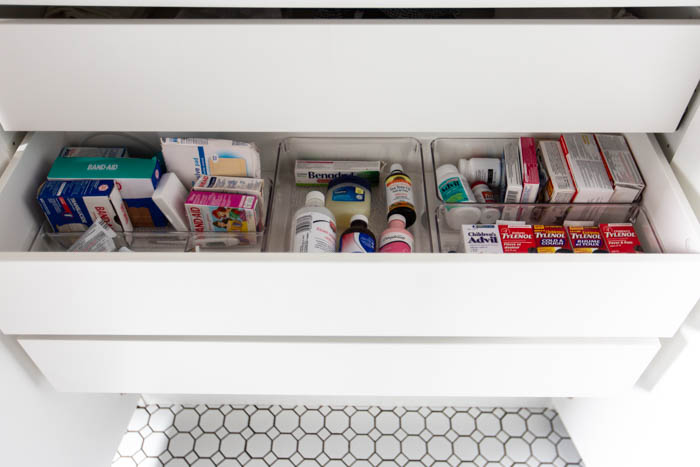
point(396, 239)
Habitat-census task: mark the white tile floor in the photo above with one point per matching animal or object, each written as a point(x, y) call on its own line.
point(226, 435)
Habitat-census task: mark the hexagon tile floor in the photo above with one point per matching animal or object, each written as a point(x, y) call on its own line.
point(226, 435)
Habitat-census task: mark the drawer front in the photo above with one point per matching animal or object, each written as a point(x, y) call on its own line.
point(481, 368)
point(398, 76)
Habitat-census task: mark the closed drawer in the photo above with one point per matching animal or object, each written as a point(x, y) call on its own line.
point(347, 76)
point(157, 294)
point(337, 367)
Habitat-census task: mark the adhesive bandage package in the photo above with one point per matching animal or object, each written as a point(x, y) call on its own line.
point(73, 205)
point(623, 172)
point(190, 158)
point(115, 153)
point(136, 178)
point(222, 212)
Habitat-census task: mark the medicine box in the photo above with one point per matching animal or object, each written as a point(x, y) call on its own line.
point(313, 173)
point(555, 178)
point(551, 239)
point(190, 158)
point(586, 239)
point(620, 238)
point(240, 185)
point(517, 238)
point(530, 172)
point(72, 206)
point(621, 167)
point(136, 179)
point(480, 238)
point(587, 168)
point(209, 211)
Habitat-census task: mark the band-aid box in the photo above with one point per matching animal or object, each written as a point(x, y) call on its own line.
point(210, 211)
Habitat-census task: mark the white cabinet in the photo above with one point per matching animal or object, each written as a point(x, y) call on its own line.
point(589, 330)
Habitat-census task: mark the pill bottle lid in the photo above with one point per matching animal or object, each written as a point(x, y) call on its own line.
point(397, 217)
point(349, 179)
point(444, 170)
point(314, 197)
point(478, 182)
point(359, 217)
point(395, 168)
point(463, 165)
point(458, 216)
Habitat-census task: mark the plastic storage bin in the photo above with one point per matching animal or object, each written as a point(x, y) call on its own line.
point(288, 197)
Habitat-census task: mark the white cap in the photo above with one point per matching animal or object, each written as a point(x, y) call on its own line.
point(463, 165)
point(359, 217)
point(444, 170)
point(490, 215)
point(397, 217)
point(315, 197)
point(461, 215)
point(395, 167)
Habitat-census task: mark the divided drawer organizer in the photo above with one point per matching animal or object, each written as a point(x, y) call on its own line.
point(554, 325)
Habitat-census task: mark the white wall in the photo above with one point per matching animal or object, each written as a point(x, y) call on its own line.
point(40, 427)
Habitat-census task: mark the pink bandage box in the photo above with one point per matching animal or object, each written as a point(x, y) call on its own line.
point(210, 211)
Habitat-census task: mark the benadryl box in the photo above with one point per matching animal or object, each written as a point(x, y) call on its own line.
point(136, 179)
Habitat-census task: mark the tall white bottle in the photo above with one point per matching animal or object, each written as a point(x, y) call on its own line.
point(313, 228)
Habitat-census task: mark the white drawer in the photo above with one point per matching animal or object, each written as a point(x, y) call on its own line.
point(158, 294)
point(344, 367)
point(347, 76)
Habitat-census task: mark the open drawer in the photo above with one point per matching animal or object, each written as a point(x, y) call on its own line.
point(344, 367)
point(431, 294)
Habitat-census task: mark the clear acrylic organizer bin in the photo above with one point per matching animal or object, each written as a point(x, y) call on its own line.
point(449, 230)
point(288, 197)
point(450, 150)
point(159, 240)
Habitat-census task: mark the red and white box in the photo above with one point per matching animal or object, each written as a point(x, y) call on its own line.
point(622, 169)
point(586, 239)
point(587, 168)
point(621, 238)
point(517, 238)
point(551, 239)
point(531, 173)
point(555, 178)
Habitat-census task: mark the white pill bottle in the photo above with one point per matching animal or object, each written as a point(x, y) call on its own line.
point(313, 227)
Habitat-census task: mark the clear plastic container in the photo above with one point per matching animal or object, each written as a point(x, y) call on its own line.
point(288, 197)
point(449, 230)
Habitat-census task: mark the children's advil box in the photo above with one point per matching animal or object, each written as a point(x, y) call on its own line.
point(480, 238)
point(136, 179)
point(210, 211)
point(72, 206)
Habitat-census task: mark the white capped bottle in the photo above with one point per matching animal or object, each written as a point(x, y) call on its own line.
point(313, 228)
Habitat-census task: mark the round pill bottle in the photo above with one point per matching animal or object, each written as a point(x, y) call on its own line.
point(313, 229)
point(486, 169)
point(399, 195)
point(451, 185)
point(484, 195)
point(396, 239)
point(348, 195)
point(358, 238)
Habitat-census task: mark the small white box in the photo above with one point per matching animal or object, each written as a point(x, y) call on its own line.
point(513, 181)
point(558, 186)
point(170, 197)
point(587, 168)
point(480, 238)
point(623, 172)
